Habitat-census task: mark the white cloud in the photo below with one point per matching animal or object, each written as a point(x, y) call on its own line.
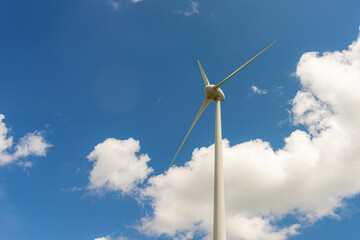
point(72, 189)
point(31, 144)
point(115, 5)
point(257, 90)
point(5, 143)
point(110, 238)
point(309, 178)
point(183, 198)
point(193, 9)
point(122, 238)
point(117, 167)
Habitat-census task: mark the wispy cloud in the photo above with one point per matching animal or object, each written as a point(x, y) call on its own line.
point(213, 17)
point(72, 189)
point(112, 238)
point(113, 4)
point(279, 90)
point(257, 90)
point(159, 100)
point(191, 10)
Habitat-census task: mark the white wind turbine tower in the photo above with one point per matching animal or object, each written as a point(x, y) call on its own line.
point(213, 92)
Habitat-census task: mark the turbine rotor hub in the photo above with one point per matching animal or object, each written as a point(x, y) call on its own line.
point(214, 93)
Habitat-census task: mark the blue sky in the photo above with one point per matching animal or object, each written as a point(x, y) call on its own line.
point(75, 75)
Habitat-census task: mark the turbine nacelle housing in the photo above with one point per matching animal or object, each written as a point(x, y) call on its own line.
point(214, 93)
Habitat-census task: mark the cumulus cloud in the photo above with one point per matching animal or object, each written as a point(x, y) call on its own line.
point(309, 178)
point(31, 144)
point(117, 167)
point(257, 90)
point(193, 9)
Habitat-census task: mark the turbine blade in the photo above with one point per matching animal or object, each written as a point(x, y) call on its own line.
point(201, 110)
point(223, 81)
point(206, 81)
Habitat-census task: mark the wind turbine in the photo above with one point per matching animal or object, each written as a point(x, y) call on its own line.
point(214, 93)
